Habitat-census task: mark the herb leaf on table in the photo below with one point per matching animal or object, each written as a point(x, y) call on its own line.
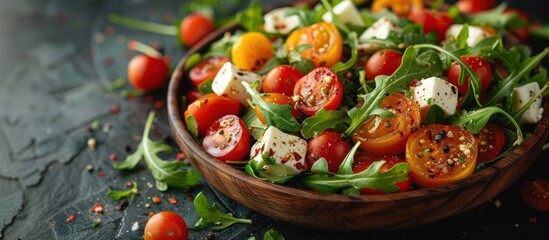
point(212, 215)
point(128, 194)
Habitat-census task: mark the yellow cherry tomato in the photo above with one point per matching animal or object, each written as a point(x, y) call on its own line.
point(400, 7)
point(251, 51)
point(325, 39)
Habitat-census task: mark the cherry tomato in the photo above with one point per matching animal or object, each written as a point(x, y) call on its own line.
point(440, 154)
point(383, 62)
point(321, 88)
point(480, 66)
point(207, 69)
point(279, 99)
point(194, 28)
point(281, 79)
point(491, 140)
point(432, 21)
point(210, 107)
point(363, 161)
point(251, 51)
point(524, 32)
point(387, 136)
point(475, 6)
point(400, 7)
point(536, 194)
point(227, 138)
point(330, 146)
point(325, 39)
point(147, 73)
point(166, 225)
point(192, 95)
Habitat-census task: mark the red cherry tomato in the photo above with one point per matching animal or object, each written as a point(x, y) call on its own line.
point(536, 194)
point(281, 79)
point(227, 138)
point(147, 73)
point(330, 146)
point(321, 88)
point(279, 99)
point(432, 21)
point(480, 66)
point(165, 226)
point(209, 108)
point(491, 140)
point(475, 6)
point(207, 69)
point(524, 32)
point(194, 28)
point(363, 161)
point(192, 95)
point(383, 62)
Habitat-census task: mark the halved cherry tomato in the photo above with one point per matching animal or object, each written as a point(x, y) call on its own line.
point(491, 140)
point(194, 28)
point(251, 51)
point(364, 160)
point(207, 69)
point(387, 136)
point(281, 79)
point(321, 88)
point(227, 138)
point(279, 99)
point(166, 225)
point(440, 154)
point(330, 146)
point(325, 39)
point(383, 62)
point(524, 32)
point(147, 73)
point(536, 194)
point(400, 7)
point(432, 21)
point(475, 6)
point(480, 66)
point(192, 95)
point(210, 107)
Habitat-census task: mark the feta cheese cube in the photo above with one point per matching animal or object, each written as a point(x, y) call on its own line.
point(379, 30)
point(276, 21)
point(279, 148)
point(437, 91)
point(475, 33)
point(521, 96)
point(227, 82)
point(346, 12)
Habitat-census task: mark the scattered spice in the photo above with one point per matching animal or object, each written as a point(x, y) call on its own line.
point(190, 197)
point(180, 156)
point(92, 144)
point(159, 104)
point(89, 168)
point(210, 236)
point(101, 174)
point(151, 214)
point(121, 205)
point(97, 222)
point(156, 200)
point(98, 209)
point(172, 200)
point(136, 138)
point(147, 205)
point(532, 219)
point(71, 217)
point(109, 60)
point(497, 203)
point(115, 108)
point(129, 184)
point(113, 157)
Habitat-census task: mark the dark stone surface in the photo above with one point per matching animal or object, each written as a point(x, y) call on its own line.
point(55, 58)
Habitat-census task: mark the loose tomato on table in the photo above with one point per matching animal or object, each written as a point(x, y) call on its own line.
point(147, 73)
point(279, 99)
point(251, 51)
point(326, 42)
point(330, 146)
point(207, 69)
point(387, 136)
point(227, 138)
point(321, 88)
point(480, 66)
point(166, 225)
point(363, 162)
point(432, 21)
point(383, 62)
point(475, 6)
point(281, 79)
point(400, 7)
point(194, 28)
point(536, 194)
point(440, 154)
point(209, 108)
point(491, 140)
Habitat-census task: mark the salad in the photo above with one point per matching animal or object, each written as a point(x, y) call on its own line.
point(350, 100)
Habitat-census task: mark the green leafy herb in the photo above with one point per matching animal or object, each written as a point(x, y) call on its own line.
point(346, 166)
point(255, 126)
point(542, 32)
point(192, 60)
point(94, 125)
point(252, 17)
point(128, 194)
point(323, 120)
point(131, 93)
point(434, 115)
point(192, 126)
point(302, 64)
point(272, 234)
point(212, 215)
point(170, 30)
point(117, 84)
point(164, 172)
point(277, 173)
point(495, 17)
point(223, 46)
point(353, 44)
point(205, 87)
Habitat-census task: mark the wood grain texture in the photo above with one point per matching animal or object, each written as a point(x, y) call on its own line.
point(340, 212)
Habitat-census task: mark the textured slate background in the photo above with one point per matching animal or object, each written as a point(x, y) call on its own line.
point(55, 58)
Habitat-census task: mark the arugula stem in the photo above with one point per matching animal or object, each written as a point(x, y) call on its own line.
point(144, 48)
point(164, 29)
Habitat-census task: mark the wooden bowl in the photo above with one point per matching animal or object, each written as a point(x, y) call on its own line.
point(340, 212)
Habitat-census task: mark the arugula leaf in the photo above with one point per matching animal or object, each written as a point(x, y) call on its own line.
point(192, 126)
point(495, 17)
point(272, 234)
point(211, 214)
point(322, 120)
point(541, 32)
point(117, 84)
point(278, 173)
point(252, 17)
point(302, 64)
point(412, 67)
point(192, 61)
point(164, 172)
point(434, 115)
point(128, 194)
point(223, 46)
point(346, 166)
point(475, 120)
point(255, 126)
point(205, 87)
point(353, 44)
point(279, 116)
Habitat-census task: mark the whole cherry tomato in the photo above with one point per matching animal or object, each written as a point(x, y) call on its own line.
point(194, 28)
point(400, 7)
point(227, 138)
point(251, 51)
point(279, 99)
point(166, 225)
point(383, 62)
point(330, 146)
point(209, 108)
point(536, 194)
point(321, 88)
point(432, 21)
point(475, 6)
point(480, 66)
point(147, 73)
point(363, 162)
point(491, 140)
point(207, 69)
point(281, 79)
point(326, 42)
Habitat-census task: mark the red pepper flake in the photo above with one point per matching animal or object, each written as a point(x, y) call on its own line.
point(159, 104)
point(151, 214)
point(172, 200)
point(149, 99)
point(136, 138)
point(109, 60)
point(71, 217)
point(98, 209)
point(109, 31)
point(113, 157)
point(129, 184)
point(532, 219)
point(190, 197)
point(60, 18)
point(180, 156)
point(101, 174)
point(156, 200)
point(115, 108)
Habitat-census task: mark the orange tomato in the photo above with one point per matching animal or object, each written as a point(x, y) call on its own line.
point(400, 7)
point(251, 51)
point(325, 39)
